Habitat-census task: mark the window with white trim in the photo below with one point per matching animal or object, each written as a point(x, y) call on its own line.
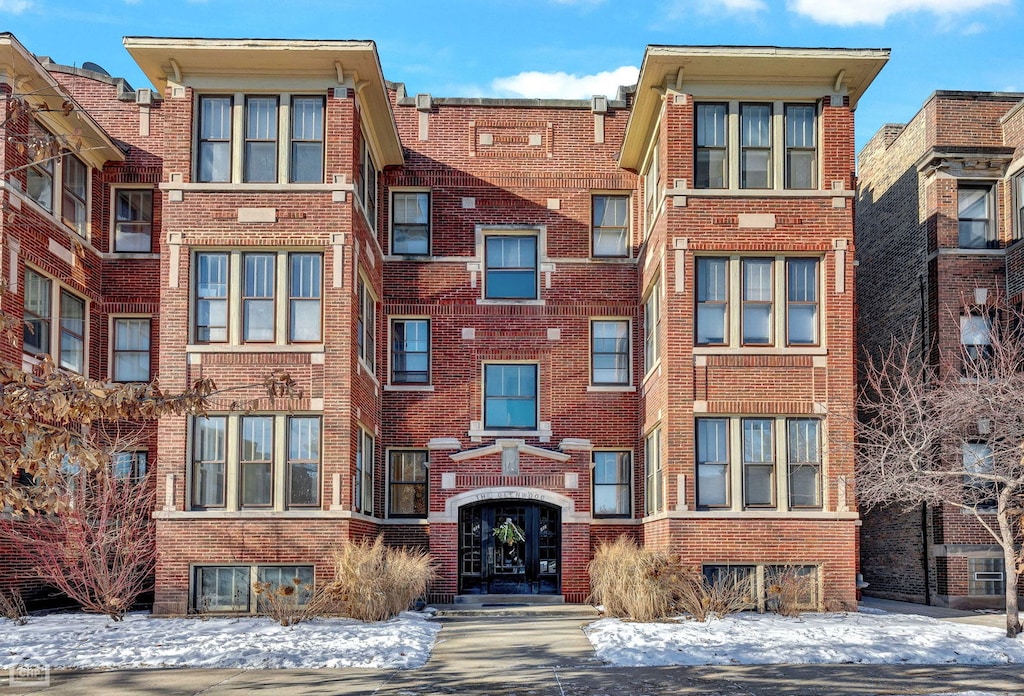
point(130, 352)
point(779, 296)
point(366, 186)
point(652, 326)
point(255, 461)
point(510, 396)
point(652, 187)
point(133, 221)
point(410, 351)
point(44, 299)
point(254, 154)
point(71, 202)
point(777, 459)
point(231, 588)
point(408, 489)
point(255, 296)
point(654, 490)
point(975, 338)
point(975, 206)
point(610, 225)
point(1017, 185)
point(510, 267)
point(612, 483)
point(609, 352)
point(410, 223)
point(366, 324)
point(735, 145)
point(362, 490)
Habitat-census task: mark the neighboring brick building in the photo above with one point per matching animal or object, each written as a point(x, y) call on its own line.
point(589, 318)
point(939, 214)
point(78, 235)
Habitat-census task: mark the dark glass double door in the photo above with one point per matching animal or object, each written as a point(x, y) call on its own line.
point(490, 564)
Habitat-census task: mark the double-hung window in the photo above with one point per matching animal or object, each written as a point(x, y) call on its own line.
point(756, 318)
point(975, 205)
point(510, 396)
point(609, 352)
point(39, 183)
point(362, 491)
point(75, 203)
point(801, 147)
point(214, 162)
point(410, 223)
point(779, 459)
point(38, 312)
point(779, 296)
point(209, 462)
point(43, 302)
point(613, 489)
point(758, 462)
point(755, 146)
point(652, 327)
point(72, 332)
point(610, 225)
point(366, 187)
point(259, 158)
point(129, 466)
point(802, 302)
point(255, 461)
point(253, 152)
point(307, 152)
point(133, 221)
point(712, 301)
point(712, 165)
point(712, 462)
point(407, 483)
point(803, 444)
point(978, 464)
point(511, 267)
point(131, 349)
point(366, 325)
point(410, 351)
point(1018, 206)
point(654, 491)
point(271, 297)
point(975, 337)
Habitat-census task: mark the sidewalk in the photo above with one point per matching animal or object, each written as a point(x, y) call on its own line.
point(541, 655)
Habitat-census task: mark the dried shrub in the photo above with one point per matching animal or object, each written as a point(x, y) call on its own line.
point(293, 602)
point(373, 582)
point(703, 600)
point(789, 591)
point(12, 607)
point(635, 583)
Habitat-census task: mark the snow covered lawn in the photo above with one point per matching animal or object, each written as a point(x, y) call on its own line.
point(757, 639)
point(95, 642)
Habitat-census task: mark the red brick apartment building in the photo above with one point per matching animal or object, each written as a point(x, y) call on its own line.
point(939, 218)
point(620, 316)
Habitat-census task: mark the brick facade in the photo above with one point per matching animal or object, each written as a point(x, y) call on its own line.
point(915, 275)
point(508, 190)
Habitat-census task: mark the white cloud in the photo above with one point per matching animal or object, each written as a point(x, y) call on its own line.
point(846, 13)
point(560, 85)
point(14, 6)
point(736, 5)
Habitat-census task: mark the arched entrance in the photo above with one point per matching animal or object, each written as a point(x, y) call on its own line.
point(525, 556)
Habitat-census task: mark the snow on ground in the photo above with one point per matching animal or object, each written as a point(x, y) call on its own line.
point(86, 641)
point(757, 639)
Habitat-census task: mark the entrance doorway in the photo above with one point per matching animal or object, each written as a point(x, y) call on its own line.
point(524, 557)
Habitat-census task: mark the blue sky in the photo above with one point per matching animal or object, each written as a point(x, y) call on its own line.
point(562, 48)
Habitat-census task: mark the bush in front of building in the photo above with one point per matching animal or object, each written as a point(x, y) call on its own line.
point(373, 582)
point(641, 584)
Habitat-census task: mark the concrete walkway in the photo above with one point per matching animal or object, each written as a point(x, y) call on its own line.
point(540, 654)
